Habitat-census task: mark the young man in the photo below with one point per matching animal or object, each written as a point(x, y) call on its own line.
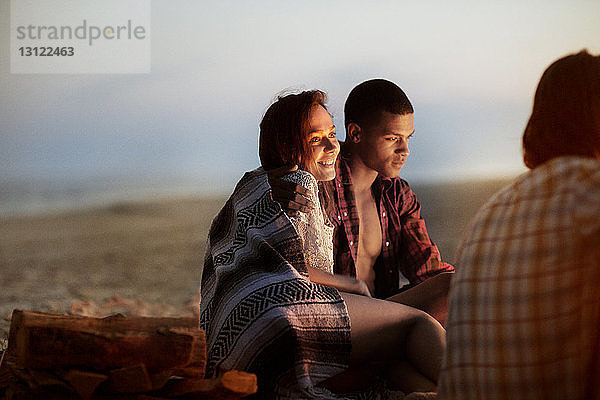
point(380, 237)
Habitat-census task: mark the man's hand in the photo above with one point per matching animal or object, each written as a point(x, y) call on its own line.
point(362, 288)
point(342, 283)
point(290, 195)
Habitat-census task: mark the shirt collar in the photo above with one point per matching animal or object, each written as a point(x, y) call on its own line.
point(343, 165)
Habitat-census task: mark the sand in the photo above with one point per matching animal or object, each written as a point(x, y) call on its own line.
point(150, 254)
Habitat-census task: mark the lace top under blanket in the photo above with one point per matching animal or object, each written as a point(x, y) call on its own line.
point(313, 227)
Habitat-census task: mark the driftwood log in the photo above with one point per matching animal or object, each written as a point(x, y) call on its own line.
point(44, 340)
point(63, 357)
point(232, 384)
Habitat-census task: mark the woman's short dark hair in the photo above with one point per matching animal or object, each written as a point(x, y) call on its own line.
point(368, 99)
point(282, 139)
point(566, 111)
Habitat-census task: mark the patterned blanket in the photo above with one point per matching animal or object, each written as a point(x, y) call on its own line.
point(259, 309)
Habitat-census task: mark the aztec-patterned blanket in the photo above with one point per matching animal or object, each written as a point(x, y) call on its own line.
point(260, 311)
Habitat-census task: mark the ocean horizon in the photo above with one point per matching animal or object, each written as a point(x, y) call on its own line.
point(32, 197)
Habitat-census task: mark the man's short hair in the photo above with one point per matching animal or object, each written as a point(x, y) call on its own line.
point(367, 100)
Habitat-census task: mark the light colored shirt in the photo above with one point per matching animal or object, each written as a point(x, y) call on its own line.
point(313, 228)
point(524, 313)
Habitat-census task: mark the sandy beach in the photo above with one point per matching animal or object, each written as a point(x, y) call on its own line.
point(150, 254)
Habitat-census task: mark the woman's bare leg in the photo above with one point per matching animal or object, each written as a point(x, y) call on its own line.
point(384, 331)
point(430, 296)
point(403, 376)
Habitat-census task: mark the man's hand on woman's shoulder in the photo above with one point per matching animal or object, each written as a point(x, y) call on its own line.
point(291, 196)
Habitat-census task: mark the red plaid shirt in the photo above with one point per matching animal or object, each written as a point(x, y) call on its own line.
point(408, 256)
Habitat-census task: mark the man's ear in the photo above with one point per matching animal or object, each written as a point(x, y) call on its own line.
point(353, 132)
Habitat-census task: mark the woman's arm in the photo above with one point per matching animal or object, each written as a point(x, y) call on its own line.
point(340, 282)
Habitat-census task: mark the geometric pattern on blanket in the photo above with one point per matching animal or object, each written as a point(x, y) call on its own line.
point(260, 311)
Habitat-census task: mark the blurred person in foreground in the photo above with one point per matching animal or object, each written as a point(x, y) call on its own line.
point(270, 302)
point(380, 236)
point(524, 309)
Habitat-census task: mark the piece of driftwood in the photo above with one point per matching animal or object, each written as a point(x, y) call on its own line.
point(43, 378)
point(39, 384)
point(17, 391)
point(84, 382)
point(134, 379)
point(160, 379)
point(6, 374)
point(197, 362)
point(54, 341)
point(23, 375)
point(230, 385)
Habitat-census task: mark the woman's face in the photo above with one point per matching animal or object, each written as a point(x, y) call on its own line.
point(322, 143)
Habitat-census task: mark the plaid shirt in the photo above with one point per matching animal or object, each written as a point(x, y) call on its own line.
point(524, 314)
point(408, 256)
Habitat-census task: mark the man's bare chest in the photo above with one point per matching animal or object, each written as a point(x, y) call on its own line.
point(369, 236)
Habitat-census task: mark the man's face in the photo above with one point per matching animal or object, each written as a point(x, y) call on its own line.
point(383, 145)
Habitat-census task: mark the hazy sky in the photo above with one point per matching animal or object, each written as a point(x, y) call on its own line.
point(469, 67)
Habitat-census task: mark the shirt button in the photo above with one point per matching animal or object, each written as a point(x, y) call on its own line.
point(384, 213)
point(351, 242)
point(339, 184)
point(387, 244)
point(339, 217)
point(345, 214)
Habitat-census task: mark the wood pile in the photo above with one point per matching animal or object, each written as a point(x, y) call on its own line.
point(53, 356)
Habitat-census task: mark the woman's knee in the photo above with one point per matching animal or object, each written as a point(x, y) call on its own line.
point(380, 329)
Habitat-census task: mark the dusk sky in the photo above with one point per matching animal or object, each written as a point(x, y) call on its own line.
point(470, 68)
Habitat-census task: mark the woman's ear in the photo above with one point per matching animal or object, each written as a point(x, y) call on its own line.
point(353, 132)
